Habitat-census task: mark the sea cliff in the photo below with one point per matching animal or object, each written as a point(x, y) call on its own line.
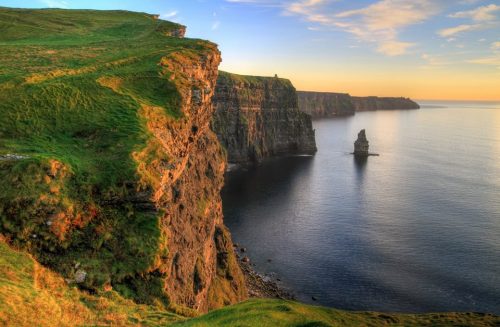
point(327, 104)
point(383, 103)
point(258, 117)
point(110, 213)
point(114, 174)
point(322, 104)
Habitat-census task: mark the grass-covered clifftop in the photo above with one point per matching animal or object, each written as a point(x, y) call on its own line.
point(97, 137)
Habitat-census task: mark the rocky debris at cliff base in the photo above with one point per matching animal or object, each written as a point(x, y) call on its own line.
point(361, 146)
point(261, 286)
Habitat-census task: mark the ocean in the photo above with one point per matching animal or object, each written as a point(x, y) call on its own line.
point(416, 229)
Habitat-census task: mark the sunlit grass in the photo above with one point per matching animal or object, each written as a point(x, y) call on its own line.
point(72, 87)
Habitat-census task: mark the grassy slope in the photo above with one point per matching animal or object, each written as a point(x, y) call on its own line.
point(286, 313)
point(32, 295)
point(72, 83)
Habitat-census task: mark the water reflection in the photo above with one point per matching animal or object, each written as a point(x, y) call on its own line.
point(245, 185)
point(415, 229)
point(360, 163)
point(360, 167)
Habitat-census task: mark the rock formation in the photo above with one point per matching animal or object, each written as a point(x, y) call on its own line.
point(258, 117)
point(361, 145)
point(326, 104)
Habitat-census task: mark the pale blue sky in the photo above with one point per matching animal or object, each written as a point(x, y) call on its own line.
point(423, 49)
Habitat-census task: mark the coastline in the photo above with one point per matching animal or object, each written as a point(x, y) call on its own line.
point(258, 285)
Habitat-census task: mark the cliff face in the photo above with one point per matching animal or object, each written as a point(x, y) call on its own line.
point(258, 117)
point(125, 195)
point(325, 104)
point(319, 104)
point(383, 103)
point(200, 270)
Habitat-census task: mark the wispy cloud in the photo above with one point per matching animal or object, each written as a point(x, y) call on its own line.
point(434, 61)
point(379, 23)
point(495, 45)
point(447, 32)
point(55, 3)
point(483, 17)
point(266, 3)
point(490, 61)
point(480, 14)
point(215, 25)
point(170, 14)
point(382, 22)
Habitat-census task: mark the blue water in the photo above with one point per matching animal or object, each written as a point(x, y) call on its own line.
point(416, 229)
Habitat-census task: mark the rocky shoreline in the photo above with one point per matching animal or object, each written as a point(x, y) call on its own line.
point(259, 285)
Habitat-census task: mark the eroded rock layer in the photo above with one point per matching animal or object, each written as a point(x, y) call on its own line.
point(258, 117)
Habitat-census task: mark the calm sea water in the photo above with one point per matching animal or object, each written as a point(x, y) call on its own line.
point(414, 230)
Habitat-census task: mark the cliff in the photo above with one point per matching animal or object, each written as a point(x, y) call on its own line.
point(326, 104)
point(113, 172)
point(381, 103)
point(258, 117)
point(321, 104)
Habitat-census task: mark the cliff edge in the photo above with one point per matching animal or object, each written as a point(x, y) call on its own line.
point(257, 117)
point(113, 172)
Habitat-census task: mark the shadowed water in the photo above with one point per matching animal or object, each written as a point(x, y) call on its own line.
point(415, 230)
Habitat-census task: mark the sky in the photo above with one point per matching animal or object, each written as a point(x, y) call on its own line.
point(440, 49)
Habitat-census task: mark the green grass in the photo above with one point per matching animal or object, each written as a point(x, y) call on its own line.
point(275, 313)
point(226, 78)
point(72, 87)
point(33, 295)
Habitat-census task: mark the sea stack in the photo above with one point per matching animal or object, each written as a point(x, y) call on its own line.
point(361, 145)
